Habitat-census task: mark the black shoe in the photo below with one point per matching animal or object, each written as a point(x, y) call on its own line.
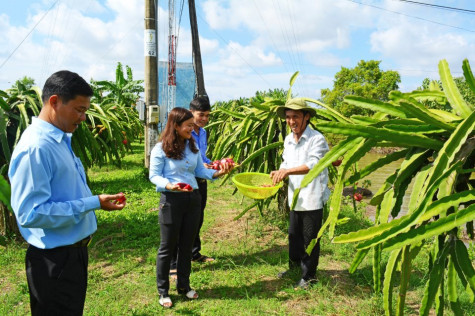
point(283, 274)
point(304, 284)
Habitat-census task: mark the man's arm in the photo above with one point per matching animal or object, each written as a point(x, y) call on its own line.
point(31, 195)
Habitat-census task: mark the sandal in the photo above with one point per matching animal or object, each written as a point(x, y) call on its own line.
point(165, 301)
point(189, 293)
point(203, 258)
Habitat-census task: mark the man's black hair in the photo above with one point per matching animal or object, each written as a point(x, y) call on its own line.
point(67, 85)
point(200, 104)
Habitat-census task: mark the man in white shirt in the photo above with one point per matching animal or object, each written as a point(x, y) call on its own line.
point(303, 148)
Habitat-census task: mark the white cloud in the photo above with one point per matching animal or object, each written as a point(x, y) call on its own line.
point(415, 48)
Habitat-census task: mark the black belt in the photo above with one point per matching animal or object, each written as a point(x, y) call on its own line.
point(200, 180)
point(82, 243)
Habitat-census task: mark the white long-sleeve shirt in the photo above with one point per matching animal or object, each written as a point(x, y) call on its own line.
point(310, 148)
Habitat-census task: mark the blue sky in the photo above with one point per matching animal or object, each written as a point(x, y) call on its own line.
point(247, 45)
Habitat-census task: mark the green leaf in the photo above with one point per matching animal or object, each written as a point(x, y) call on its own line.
point(377, 268)
point(452, 288)
point(360, 255)
point(375, 105)
point(418, 111)
point(451, 147)
point(259, 152)
point(451, 91)
point(231, 113)
point(381, 162)
point(429, 230)
point(446, 116)
point(245, 211)
point(464, 261)
point(388, 283)
point(435, 278)
point(291, 83)
point(408, 220)
point(5, 192)
point(468, 74)
point(381, 134)
point(336, 114)
point(443, 204)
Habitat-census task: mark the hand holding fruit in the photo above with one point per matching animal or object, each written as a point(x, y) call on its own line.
point(217, 164)
point(110, 202)
point(180, 186)
point(224, 168)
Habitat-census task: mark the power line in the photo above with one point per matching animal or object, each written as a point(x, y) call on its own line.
point(438, 6)
point(13, 52)
point(412, 16)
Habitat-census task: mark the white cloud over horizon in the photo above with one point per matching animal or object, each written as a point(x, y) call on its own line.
point(246, 45)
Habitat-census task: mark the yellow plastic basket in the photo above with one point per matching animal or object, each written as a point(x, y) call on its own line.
point(250, 184)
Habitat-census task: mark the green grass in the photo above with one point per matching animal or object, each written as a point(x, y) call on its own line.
point(242, 281)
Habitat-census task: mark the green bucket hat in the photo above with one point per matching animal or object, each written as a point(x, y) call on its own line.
point(298, 104)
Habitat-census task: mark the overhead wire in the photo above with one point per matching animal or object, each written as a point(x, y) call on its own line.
point(412, 16)
point(293, 56)
point(299, 59)
point(49, 39)
point(436, 6)
point(34, 27)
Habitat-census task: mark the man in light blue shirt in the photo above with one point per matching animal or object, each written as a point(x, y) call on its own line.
point(53, 204)
point(303, 148)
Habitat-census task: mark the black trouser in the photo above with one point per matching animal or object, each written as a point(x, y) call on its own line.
point(303, 227)
point(195, 252)
point(179, 219)
point(57, 280)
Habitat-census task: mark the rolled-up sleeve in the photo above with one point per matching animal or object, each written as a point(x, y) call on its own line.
point(157, 163)
point(318, 147)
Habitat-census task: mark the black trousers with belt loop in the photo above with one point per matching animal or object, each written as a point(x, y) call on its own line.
point(179, 221)
point(57, 279)
point(196, 250)
point(303, 227)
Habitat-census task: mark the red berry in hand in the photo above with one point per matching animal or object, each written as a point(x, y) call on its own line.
point(358, 196)
point(185, 186)
point(121, 199)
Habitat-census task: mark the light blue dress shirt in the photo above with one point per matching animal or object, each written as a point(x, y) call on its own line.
point(52, 203)
point(201, 142)
point(310, 148)
point(165, 170)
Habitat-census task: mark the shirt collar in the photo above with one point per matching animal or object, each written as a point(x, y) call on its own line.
point(49, 128)
point(194, 132)
point(304, 135)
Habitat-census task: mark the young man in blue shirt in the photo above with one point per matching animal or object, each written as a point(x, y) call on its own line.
point(201, 108)
point(53, 204)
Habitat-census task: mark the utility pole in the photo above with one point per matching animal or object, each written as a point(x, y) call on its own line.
point(151, 79)
point(200, 84)
point(172, 41)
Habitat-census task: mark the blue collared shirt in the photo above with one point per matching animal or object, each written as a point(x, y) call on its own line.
point(52, 203)
point(201, 142)
point(165, 170)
